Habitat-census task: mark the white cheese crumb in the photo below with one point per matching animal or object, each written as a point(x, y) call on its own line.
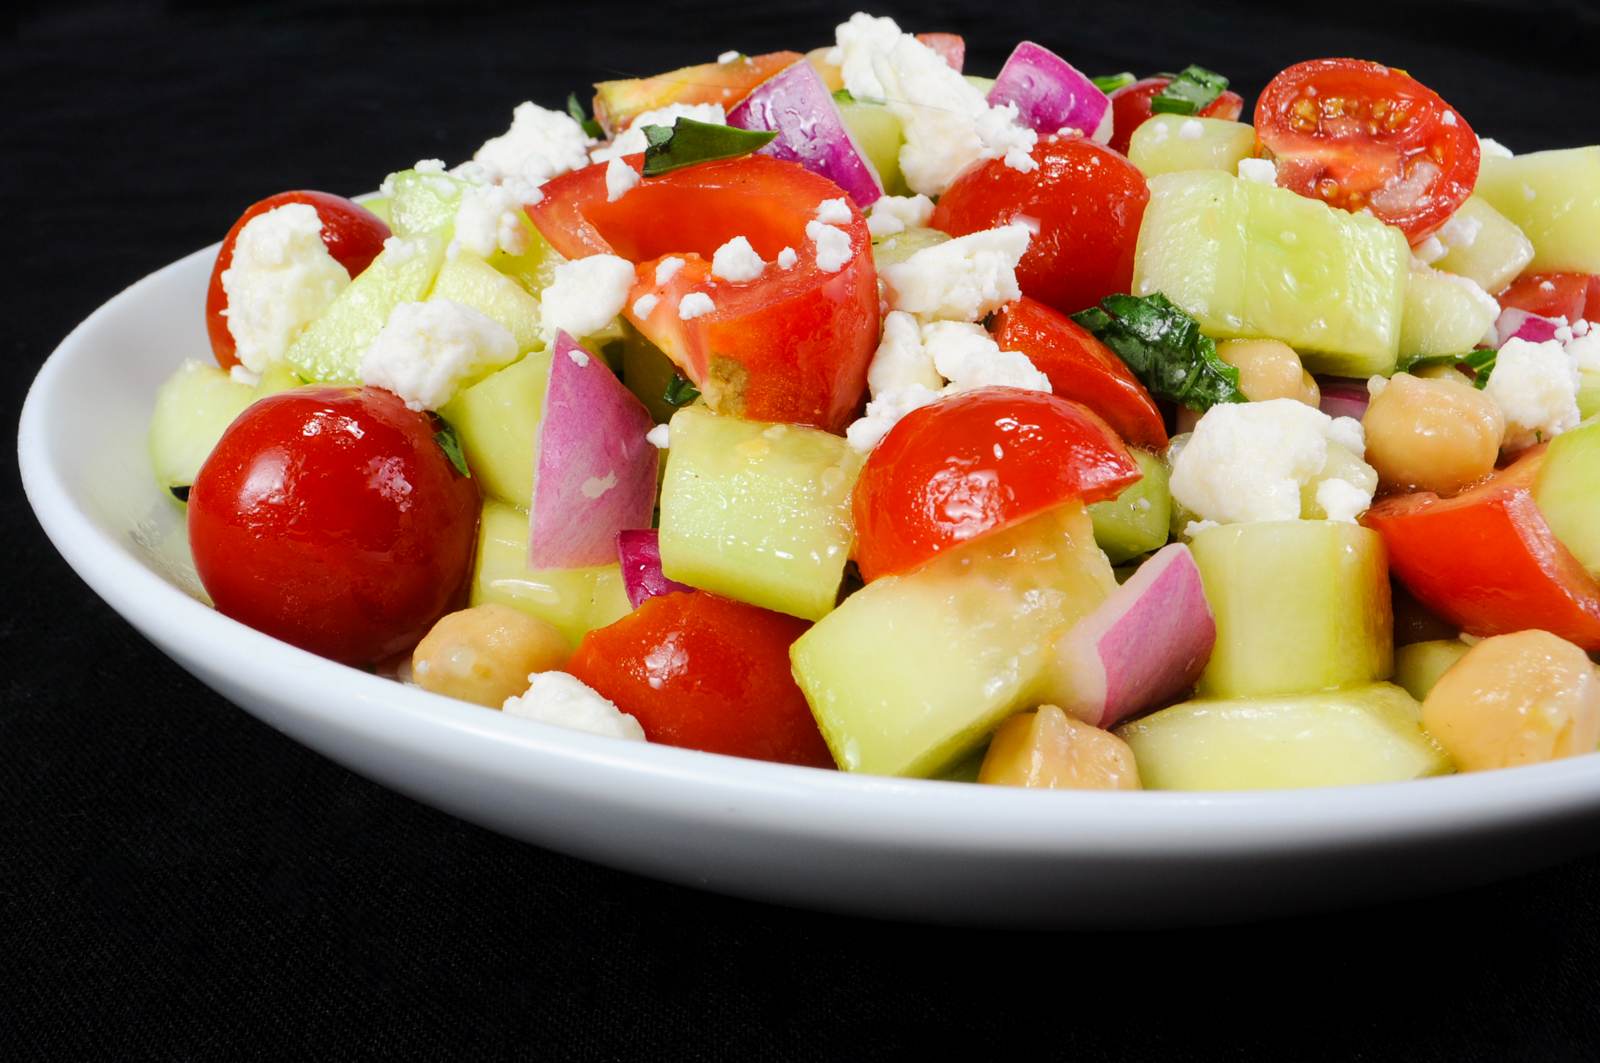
point(1191, 129)
point(1584, 348)
point(426, 352)
point(540, 144)
point(833, 246)
point(585, 295)
point(1449, 118)
point(1430, 251)
point(834, 212)
point(632, 140)
point(281, 279)
point(562, 700)
point(731, 56)
point(1490, 148)
point(1460, 232)
point(1263, 171)
point(737, 261)
point(961, 279)
point(429, 166)
point(967, 356)
point(694, 304)
point(787, 258)
point(491, 218)
point(901, 360)
point(884, 412)
point(668, 268)
point(240, 375)
point(645, 305)
point(620, 178)
point(1536, 387)
point(578, 357)
point(896, 214)
point(659, 437)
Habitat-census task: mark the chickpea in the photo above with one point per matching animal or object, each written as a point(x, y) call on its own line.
point(1516, 699)
point(485, 654)
point(1270, 369)
point(1050, 750)
point(1437, 435)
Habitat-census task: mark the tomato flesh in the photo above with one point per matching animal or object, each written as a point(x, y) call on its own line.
point(976, 463)
point(791, 345)
point(1088, 202)
point(1363, 136)
point(1568, 295)
point(618, 103)
point(952, 47)
point(330, 518)
point(1130, 108)
point(1487, 561)
point(352, 234)
point(1082, 369)
point(709, 673)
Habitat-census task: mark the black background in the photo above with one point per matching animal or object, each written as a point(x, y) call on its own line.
point(178, 881)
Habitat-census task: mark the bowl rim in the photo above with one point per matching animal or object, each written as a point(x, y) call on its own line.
point(908, 812)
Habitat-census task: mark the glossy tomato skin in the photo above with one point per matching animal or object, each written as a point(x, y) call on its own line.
point(352, 234)
point(1088, 201)
point(329, 517)
point(1487, 561)
point(705, 672)
point(974, 464)
point(1568, 295)
point(1082, 369)
point(792, 345)
point(1357, 135)
point(1130, 108)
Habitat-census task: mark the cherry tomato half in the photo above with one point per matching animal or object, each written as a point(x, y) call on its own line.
point(1568, 295)
point(1360, 135)
point(708, 673)
point(1130, 108)
point(330, 518)
point(352, 234)
point(1088, 202)
point(976, 463)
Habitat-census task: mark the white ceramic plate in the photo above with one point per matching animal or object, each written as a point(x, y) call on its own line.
point(897, 848)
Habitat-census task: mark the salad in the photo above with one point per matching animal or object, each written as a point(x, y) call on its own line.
point(847, 409)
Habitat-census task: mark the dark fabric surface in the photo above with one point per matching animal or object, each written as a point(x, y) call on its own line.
point(178, 881)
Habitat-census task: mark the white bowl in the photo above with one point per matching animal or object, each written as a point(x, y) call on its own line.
point(890, 847)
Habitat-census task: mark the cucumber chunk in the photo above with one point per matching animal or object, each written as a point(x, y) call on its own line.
point(912, 673)
point(575, 600)
point(1300, 605)
point(1484, 246)
point(758, 512)
point(1251, 260)
point(1370, 734)
point(1588, 394)
point(469, 280)
point(424, 202)
point(879, 136)
point(1568, 492)
point(1418, 666)
point(1161, 145)
point(194, 406)
point(1554, 198)
point(1136, 521)
point(497, 421)
point(1444, 314)
point(900, 246)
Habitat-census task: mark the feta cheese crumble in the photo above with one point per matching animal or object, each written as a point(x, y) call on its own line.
point(562, 700)
point(659, 437)
point(631, 141)
point(1584, 348)
point(896, 214)
point(901, 360)
point(427, 351)
point(491, 218)
point(737, 261)
point(1191, 129)
point(1490, 148)
point(668, 268)
point(693, 305)
point(787, 258)
point(731, 56)
point(1536, 387)
point(834, 212)
point(645, 305)
point(961, 279)
point(585, 295)
point(540, 144)
point(833, 246)
point(280, 279)
point(620, 178)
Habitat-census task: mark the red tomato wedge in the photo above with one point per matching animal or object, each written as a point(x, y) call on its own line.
point(792, 345)
point(1360, 135)
point(974, 464)
point(1130, 108)
point(1568, 295)
point(1082, 369)
point(352, 233)
point(708, 673)
point(952, 47)
point(618, 103)
point(1088, 201)
point(1487, 561)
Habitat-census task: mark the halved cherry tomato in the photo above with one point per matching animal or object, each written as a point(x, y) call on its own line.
point(976, 463)
point(618, 103)
point(792, 345)
point(1130, 108)
point(352, 233)
point(708, 673)
point(1082, 368)
point(329, 517)
point(1361, 135)
point(1568, 295)
point(1487, 561)
point(1088, 202)
point(952, 47)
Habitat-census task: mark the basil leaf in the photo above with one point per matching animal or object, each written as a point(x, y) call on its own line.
point(590, 126)
point(843, 96)
point(1164, 348)
point(1109, 83)
point(679, 391)
point(1481, 362)
point(450, 443)
point(689, 142)
point(1191, 92)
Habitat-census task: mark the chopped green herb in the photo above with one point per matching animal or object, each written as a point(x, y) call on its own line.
point(581, 116)
point(843, 96)
point(680, 392)
point(688, 142)
point(1481, 362)
point(1109, 83)
point(450, 443)
point(1164, 348)
point(1190, 92)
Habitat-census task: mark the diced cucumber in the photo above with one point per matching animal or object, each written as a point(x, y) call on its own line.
point(1444, 314)
point(1554, 198)
point(912, 673)
point(982, 84)
point(758, 512)
point(279, 376)
point(424, 202)
point(192, 409)
point(379, 205)
point(575, 600)
point(330, 349)
point(902, 245)
point(1588, 394)
point(1370, 734)
point(1340, 464)
point(1484, 246)
point(1135, 522)
point(878, 134)
point(1167, 144)
point(1419, 665)
point(469, 280)
point(497, 421)
point(1568, 492)
point(1300, 605)
point(1252, 260)
point(533, 268)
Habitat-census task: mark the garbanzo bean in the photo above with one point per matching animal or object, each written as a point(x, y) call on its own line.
point(1050, 750)
point(1270, 369)
point(1516, 699)
point(1437, 435)
point(485, 654)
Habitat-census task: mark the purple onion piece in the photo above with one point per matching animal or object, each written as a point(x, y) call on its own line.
point(1514, 324)
point(797, 105)
point(1344, 396)
point(1051, 94)
point(639, 553)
